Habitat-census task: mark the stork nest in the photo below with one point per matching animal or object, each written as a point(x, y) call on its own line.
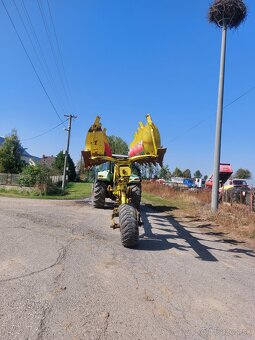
point(229, 13)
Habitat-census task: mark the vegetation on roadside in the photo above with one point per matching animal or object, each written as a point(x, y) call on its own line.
point(73, 191)
point(58, 166)
point(235, 221)
point(38, 177)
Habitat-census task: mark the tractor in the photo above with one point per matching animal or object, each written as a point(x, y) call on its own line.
point(235, 191)
point(104, 181)
point(115, 180)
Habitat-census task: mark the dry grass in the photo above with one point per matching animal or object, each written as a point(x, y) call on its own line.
point(185, 197)
point(235, 221)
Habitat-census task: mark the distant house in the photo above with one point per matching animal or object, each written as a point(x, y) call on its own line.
point(25, 156)
point(47, 160)
point(29, 159)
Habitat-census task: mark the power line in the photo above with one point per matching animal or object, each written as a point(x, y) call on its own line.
point(31, 62)
point(242, 95)
point(42, 58)
point(60, 53)
point(44, 133)
point(52, 47)
point(33, 45)
point(206, 119)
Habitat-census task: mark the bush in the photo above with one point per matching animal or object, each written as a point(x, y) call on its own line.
point(38, 176)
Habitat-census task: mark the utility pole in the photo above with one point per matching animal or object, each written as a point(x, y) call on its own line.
point(217, 148)
point(67, 149)
point(226, 14)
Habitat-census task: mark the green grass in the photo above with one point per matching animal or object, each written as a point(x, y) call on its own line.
point(15, 193)
point(77, 190)
point(164, 204)
point(160, 204)
point(73, 191)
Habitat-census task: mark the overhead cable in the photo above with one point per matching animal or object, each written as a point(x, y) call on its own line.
point(31, 62)
point(206, 119)
point(52, 48)
point(60, 53)
point(39, 51)
point(44, 133)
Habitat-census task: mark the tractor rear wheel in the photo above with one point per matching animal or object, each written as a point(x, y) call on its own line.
point(135, 195)
point(128, 221)
point(235, 196)
point(99, 194)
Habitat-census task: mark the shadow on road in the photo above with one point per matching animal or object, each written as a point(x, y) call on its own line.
point(177, 236)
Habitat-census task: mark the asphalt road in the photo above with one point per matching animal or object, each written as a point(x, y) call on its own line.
point(65, 275)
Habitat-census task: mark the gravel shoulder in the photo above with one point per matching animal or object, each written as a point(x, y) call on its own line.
point(65, 275)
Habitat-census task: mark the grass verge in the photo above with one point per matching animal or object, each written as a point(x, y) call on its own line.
point(73, 191)
point(234, 221)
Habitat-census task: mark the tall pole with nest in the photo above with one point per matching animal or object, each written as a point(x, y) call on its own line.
point(226, 14)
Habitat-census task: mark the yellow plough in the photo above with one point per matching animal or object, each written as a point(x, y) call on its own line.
point(117, 182)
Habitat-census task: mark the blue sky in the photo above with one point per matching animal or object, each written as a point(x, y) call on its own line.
point(124, 59)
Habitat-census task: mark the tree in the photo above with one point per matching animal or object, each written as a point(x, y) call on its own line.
point(164, 172)
point(149, 170)
point(10, 155)
point(243, 173)
point(197, 174)
point(186, 173)
point(118, 145)
point(136, 169)
point(59, 165)
point(205, 177)
point(177, 173)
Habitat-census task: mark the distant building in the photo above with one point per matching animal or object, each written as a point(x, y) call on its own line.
point(25, 156)
point(47, 160)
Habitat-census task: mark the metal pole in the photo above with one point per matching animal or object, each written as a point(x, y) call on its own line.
point(67, 150)
point(217, 148)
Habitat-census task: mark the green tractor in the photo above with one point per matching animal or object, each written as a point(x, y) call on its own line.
point(104, 186)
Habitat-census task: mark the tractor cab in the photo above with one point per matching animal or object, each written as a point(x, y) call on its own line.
point(104, 172)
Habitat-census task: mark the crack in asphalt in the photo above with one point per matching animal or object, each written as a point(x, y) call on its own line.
point(42, 326)
point(61, 256)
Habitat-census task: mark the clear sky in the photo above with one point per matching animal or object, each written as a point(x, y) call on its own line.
point(123, 59)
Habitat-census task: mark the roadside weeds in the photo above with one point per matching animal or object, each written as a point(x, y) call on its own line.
point(234, 221)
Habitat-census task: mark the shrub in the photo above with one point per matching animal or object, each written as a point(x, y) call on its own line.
point(38, 176)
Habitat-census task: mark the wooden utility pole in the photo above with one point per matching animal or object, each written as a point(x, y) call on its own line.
point(67, 149)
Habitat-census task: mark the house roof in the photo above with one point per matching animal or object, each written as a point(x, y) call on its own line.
point(47, 160)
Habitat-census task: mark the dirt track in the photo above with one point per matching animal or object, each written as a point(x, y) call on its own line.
point(65, 275)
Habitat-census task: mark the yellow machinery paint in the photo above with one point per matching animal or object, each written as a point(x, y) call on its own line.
point(145, 148)
point(146, 139)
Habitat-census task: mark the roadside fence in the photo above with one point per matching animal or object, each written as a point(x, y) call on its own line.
point(9, 179)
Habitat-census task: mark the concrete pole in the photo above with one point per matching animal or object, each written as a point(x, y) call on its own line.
point(67, 150)
point(217, 148)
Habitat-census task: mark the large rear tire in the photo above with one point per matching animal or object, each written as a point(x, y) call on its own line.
point(129, 230)
point(135, 195)
point(99, 194)
point(235, 196)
